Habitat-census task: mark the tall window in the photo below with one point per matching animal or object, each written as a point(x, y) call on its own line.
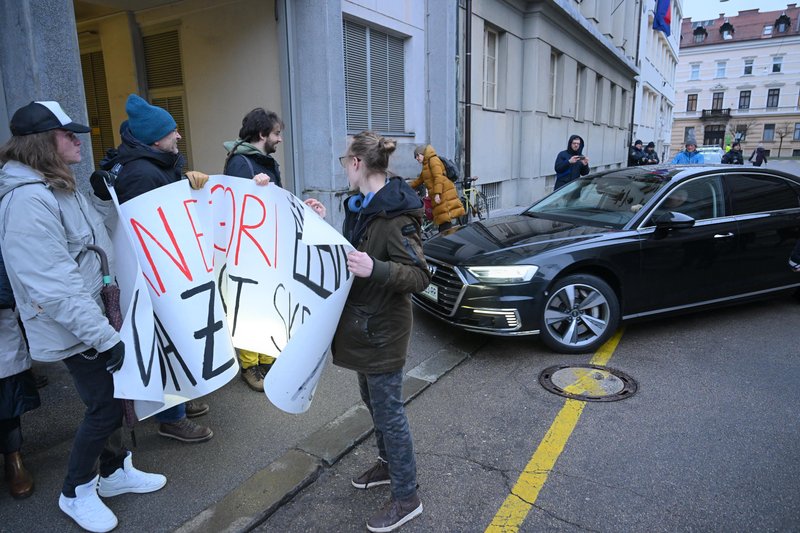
point(796, 136)
point(691, 102)
point(716, 100)
point(748, 67)
point(598, 98)
point(164, 69)
point(695, 75)
point(580, 92)
point(773, 95)
point(741, 133)
point(374, 64)
point(744, 99)
point(769, 132)
point(721, 66)
point(777, 63)
point(612, 106)
point(688, 133)
point(490, 69)
point(554, 57)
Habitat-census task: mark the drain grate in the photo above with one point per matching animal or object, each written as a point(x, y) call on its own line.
point(590, 383)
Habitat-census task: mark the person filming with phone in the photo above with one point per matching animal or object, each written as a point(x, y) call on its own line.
point(571, 163)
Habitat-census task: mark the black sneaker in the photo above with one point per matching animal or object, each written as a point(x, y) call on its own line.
point(378, 474)
point(395, 513)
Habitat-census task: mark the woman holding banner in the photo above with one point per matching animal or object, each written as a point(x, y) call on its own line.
point(382, 220)
point(45, 224)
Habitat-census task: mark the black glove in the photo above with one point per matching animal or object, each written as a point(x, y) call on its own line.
point(98, 180)
point(116, 355)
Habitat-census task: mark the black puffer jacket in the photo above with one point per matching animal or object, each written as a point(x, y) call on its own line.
point(375, 326)
point(143, 168)
point(259, 163)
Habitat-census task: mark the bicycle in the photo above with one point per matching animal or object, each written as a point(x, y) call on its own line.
point(427, 229)
point(473, 200)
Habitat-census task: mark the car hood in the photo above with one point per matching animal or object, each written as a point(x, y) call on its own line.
point(499, 240)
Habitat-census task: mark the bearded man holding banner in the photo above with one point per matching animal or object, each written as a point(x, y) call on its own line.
point(149, 158)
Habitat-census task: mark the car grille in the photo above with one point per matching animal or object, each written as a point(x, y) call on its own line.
point(449, 285)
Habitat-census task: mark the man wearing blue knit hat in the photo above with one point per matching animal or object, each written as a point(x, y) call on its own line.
point(150, 158)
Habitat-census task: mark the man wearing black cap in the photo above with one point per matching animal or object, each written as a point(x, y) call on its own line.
point(636, 154)
point(650, 155)
point(150, 158)
point(46, 224)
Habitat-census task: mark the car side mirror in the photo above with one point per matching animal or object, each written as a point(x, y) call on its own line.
point(673, 220)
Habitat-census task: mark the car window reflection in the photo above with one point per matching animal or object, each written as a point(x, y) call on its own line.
point(700, 198)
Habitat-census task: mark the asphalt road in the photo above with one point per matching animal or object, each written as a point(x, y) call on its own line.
point(708, 443)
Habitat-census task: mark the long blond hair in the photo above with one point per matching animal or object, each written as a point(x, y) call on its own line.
point(40, 152)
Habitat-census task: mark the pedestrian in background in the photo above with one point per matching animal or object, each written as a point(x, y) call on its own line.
point(446, 204)
point(734, 155)
point(45, 225)
point(18, 392)
point(636, 154)
point(650, 155)
point(689, 155)
point(571, 163)
point(150, 158)
point(759, 156)
point(382, 220)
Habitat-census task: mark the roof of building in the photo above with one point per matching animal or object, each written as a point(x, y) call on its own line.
point(748, 25)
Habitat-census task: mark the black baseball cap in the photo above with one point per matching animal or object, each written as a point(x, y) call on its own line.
point(38, 117)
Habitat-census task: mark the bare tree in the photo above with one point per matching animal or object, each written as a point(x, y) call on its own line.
point(740, 127)
point(782, 130)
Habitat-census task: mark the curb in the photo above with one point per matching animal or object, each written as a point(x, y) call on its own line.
point(250, 504)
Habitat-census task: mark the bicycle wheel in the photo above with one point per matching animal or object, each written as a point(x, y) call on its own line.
point(481, 207)
point(464, 219)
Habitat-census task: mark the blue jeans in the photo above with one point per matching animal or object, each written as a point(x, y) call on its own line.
point(383, 395)
point(173, 414)
point(99, 435)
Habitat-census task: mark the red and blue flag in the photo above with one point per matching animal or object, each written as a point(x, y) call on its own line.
point(663, 16)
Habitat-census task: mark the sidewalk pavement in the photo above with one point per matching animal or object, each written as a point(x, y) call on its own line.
point(264, 492)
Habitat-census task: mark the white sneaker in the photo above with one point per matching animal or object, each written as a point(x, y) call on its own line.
point(129, 479)
point(87, 509)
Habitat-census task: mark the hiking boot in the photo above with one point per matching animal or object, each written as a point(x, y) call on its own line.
point(378, 474)
point(129, 479)
point(264, 368)
point(195, 408)
point(185, 430)
point(87, 509)
point(253, 377)
point(395, 513)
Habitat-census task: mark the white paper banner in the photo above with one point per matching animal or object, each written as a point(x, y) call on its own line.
point(256, 255)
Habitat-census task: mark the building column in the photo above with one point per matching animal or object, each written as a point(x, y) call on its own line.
point(313, 108)
point(40, 60)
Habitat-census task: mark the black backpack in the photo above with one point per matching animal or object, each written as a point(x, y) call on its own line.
point(449, 168)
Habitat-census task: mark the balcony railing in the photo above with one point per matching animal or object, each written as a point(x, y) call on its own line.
point(724, 114)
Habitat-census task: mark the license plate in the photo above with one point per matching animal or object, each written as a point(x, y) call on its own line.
point(432, 292)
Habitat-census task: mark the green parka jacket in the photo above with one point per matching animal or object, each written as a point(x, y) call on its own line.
point(375, 327)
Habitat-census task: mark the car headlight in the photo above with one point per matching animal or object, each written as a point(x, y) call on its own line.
point(503, 274)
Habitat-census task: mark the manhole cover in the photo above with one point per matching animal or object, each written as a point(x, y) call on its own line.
point(591, 383)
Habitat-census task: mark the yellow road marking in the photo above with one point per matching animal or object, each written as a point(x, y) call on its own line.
point(523, 495)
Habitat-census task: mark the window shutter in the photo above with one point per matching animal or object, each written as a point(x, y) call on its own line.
point(374, 72)
point(355, 76)
point(162, 59)
point(99, 111)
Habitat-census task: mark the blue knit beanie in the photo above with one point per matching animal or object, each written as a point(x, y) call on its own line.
point(146, 122)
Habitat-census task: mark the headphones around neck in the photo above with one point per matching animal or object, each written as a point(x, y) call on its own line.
point(357, 202)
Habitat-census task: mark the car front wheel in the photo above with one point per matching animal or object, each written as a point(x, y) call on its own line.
point(580, 314)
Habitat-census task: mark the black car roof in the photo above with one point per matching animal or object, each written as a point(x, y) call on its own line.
point(677, 172)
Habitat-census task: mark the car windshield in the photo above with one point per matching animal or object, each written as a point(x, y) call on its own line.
point(606, 200)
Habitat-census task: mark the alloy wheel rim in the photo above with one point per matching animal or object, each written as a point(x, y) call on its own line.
point(577, 315)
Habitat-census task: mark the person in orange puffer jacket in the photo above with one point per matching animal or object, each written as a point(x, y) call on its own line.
point(446, 205)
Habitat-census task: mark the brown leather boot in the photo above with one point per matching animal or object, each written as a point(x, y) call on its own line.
point(18, 478)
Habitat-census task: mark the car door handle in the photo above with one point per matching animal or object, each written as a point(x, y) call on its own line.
point(723, 235)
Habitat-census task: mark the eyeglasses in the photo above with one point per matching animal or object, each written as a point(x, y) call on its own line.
point(344, 158)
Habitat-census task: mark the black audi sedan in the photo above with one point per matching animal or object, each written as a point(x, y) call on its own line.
point(615, 246)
